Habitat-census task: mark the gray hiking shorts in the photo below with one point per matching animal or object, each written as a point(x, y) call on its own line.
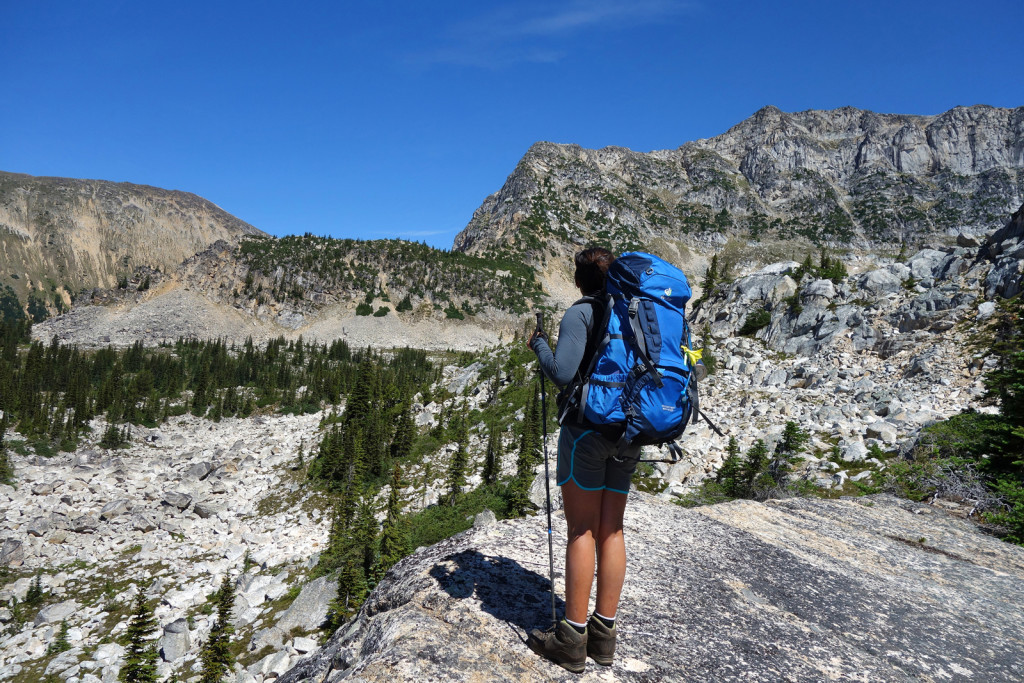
point(588, 458)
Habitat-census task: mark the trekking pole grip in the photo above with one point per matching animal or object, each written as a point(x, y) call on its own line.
point(540, 321)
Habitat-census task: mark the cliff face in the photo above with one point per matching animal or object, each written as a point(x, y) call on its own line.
point(874, 589)
point(61, 235)
point(846, 178)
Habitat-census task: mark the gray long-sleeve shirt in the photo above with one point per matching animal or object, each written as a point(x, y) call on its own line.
point(561, 365)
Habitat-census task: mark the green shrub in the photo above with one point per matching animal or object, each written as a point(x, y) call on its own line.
point(438, 522)
point(381, 312)
point(364, 309)
point(755, 321)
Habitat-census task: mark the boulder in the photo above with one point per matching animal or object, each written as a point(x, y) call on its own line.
point(38, 526)
point(310, 608)
point(86, 524)
point(926, 263)
point(538, 492)
point(199, 470)
point(43, 488)
point(204, 510)
point(52, 614)
point(12, 553)
point(177, 499)
point(175, 641)
point(485, 518)
point(880, 282)
point(114, 508)
point(823, 289)
point(304, 645)
point(143, 523)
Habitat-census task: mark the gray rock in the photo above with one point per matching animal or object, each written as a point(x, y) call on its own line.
point(925, 263)
point(205, 510)
point(304, 645)
point(986, 309)
point(309, 609)
point(52, 614)
point(143, 523)
point(38, 526)
point(272, 637)
point(485, 518)
point(854, 451)
point(114, 508)
point(538, 493)
point(177, 626)
point(883, 431)
point(967, 239)
point(448, 610)
point(177, 499)
point(175, 641)
point(880, 282)
point(824, 289)
point(43, 488)
point(200, 470)
point(12, 553)
point(86, 524)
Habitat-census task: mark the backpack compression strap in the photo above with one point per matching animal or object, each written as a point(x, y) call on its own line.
point(640, 343)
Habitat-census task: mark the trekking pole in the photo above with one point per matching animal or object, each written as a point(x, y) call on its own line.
point(547, 477)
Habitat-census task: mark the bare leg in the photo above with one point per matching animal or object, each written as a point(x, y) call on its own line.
point(583, 512)
point(611, 553)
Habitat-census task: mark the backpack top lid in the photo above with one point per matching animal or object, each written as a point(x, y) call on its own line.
point(636, 274)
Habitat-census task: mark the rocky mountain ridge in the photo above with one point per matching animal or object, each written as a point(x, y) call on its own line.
point(845, 178)
point(59, 236)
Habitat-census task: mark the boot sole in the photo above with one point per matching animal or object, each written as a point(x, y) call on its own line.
point(572, 667)
point(603, 661)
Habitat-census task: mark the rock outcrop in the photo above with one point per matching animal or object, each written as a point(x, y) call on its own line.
point(59, 236)
point(873, 589)
point(1005, 249)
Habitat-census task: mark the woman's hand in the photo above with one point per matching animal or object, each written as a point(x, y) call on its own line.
point(537, 334)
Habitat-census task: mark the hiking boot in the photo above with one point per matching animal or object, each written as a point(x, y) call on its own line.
point(600, 642)
point(562, 644)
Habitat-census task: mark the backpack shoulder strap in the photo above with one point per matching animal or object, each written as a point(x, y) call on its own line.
point(601, 306)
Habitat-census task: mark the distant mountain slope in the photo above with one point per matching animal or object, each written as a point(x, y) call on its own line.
point(845, 177)
point(61, 235)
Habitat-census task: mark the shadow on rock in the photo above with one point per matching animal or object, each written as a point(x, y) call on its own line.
point(506, 590)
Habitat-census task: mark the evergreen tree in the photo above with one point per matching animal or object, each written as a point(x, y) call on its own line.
point(140, 655)
point(710, 277)
point(459, 461)
point(729, 474)
point(405, 434)
point(529, 457)
point(34, 595)
point(793, 439)
point(365, 536)
point(753, 467)
point(216, 657)
point(492, 457)
point(6, 470)
point(60, 642)
point(393, 539)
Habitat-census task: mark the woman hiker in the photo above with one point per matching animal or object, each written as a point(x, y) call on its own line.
point(594, 475)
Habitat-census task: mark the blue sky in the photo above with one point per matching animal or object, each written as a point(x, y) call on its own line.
point(396, 119)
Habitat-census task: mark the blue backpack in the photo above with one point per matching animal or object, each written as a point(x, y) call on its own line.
point(641, 382)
